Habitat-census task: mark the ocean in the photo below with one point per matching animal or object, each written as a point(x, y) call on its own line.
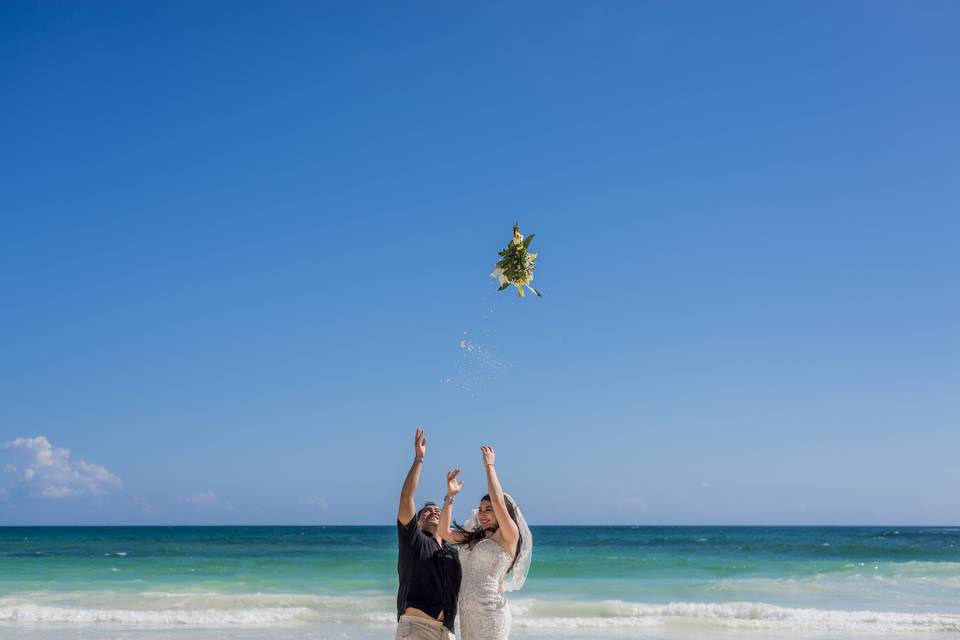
point(585, 582)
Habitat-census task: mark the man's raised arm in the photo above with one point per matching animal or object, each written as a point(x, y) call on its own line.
point(408, 507)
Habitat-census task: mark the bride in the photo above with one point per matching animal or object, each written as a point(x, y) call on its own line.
point(495, 551)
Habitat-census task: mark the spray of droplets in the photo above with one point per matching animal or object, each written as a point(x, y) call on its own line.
point(477, 364)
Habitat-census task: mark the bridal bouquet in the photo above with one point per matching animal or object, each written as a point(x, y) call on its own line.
point(516, 264)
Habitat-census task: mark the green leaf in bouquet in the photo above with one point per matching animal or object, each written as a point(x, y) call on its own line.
point(516, 264)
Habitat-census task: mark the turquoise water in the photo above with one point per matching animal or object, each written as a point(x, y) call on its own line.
point(583, 579)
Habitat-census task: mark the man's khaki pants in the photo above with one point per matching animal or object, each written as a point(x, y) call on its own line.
point(417, 628)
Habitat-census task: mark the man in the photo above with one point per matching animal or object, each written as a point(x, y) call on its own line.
point(429, 568)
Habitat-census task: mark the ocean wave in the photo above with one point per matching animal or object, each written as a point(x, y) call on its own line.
point(175, 608)
point(617, 613)
point(178, 609)
point(32, 613)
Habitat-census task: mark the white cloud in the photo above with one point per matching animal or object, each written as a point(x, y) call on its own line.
point(48, 472)
point(318, 502)
point(205, 500)
point(3, 494)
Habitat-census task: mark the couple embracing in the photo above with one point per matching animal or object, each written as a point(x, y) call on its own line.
point(444, 566)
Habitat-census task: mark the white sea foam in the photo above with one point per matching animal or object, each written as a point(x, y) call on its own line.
point(617, 613)
point(203, 617)
point(173, 608)
point(186, 609)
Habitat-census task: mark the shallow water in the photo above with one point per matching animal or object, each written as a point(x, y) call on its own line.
point(332, 582)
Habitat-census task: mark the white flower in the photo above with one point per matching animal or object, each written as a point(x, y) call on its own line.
point(498, 274)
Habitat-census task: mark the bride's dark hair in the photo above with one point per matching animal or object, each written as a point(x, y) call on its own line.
point(472, 536)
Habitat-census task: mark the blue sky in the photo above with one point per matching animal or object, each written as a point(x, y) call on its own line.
point(242, 242)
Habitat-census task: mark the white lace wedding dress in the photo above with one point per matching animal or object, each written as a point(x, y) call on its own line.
point(484, 610)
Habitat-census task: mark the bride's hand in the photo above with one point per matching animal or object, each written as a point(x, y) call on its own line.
point(488, 456)
point(453, 485)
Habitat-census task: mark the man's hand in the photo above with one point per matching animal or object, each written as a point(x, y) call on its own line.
point(488, 456)
point(453, 485)
point(420, 443)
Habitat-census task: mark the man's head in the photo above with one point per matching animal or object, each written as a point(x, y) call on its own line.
point(428, 518)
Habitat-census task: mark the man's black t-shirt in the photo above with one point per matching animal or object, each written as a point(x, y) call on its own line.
point(429, 574)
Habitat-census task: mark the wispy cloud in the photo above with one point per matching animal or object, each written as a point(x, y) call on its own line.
point(636, 502)
point(207, 500)
point(318, 502)
point(45, 471)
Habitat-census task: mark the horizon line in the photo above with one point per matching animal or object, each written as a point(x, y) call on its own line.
point(637, 526)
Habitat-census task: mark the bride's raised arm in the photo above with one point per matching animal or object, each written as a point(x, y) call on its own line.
point(508, 528)
point(446, 515)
